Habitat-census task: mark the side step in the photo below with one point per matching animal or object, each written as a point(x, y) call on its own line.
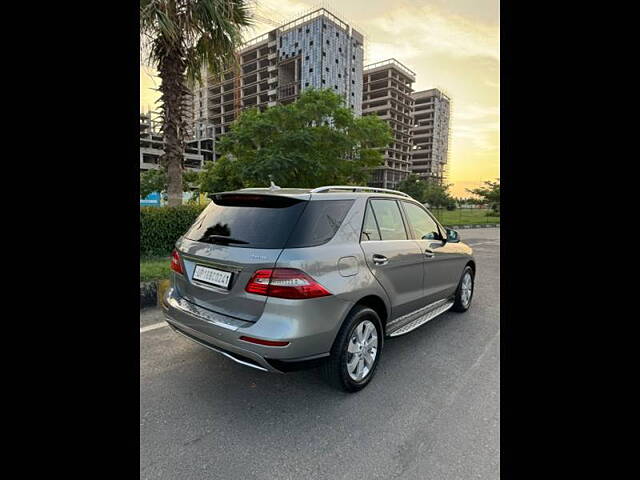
point(425, 314)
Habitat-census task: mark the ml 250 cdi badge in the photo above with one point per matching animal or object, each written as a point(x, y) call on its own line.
point(283, 279)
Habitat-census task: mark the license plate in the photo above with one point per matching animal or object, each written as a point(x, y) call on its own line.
point(212, 276)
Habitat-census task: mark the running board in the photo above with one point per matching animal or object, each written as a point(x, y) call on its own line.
point(424, 315)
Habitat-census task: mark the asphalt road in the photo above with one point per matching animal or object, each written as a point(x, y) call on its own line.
point(431, 412)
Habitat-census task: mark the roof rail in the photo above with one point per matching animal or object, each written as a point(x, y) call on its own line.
point(358, 189)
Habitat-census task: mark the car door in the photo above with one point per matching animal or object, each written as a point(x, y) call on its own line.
point(439, 261)
point(392, 256)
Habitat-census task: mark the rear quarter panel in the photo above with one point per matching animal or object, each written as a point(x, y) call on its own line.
point(339, 265)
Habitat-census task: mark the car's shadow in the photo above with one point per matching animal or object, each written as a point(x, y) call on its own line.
point(212, 379)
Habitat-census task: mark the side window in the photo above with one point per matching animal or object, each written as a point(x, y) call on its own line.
point(423, 225)
point(389, 218)
point(370, 227)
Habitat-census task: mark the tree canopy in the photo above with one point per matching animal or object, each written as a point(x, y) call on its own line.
point(490, 193)
point(313, 141)
point(427, 191)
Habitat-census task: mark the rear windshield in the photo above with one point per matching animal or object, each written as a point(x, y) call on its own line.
point(252, 221)
point(319, 222)
point(263, 221)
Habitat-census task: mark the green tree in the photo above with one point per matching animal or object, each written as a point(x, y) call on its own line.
point(490, 194)
point(427, 191)
point(313, 141)
point(155, 180)
point(221, 176)
point(415, 186)
point(437, 195)
point(179, 37)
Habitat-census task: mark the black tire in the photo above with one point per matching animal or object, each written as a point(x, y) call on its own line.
point(334, 369)
point(459, 305)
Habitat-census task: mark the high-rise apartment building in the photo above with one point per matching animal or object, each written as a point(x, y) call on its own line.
point(387, 88)
point(430, 134)
point(317, 50)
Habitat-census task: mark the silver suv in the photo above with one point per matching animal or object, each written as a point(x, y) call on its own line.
point(283, 279)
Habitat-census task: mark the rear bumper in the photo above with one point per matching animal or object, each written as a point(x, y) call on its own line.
point(309, 339)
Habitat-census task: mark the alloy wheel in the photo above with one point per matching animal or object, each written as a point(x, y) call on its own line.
point(362, 350)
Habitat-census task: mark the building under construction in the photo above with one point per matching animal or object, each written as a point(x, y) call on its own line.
point(317, 50)
point(430, 134)
point(152, 146)
point(387, 88)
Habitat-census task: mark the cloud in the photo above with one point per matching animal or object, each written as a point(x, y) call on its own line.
point(478, 124)
point(428, 30)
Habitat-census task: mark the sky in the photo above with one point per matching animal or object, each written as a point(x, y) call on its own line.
point(453, 45)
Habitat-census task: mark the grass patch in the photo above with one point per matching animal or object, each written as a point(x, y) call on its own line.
point(154, 268)
point(465, 216)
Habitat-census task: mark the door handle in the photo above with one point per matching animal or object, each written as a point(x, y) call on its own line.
point(429, 253)
point(380, 259)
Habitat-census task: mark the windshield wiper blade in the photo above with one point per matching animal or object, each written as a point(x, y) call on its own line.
point(221, 239)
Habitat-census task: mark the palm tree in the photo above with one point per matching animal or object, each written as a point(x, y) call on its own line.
point(181, 38)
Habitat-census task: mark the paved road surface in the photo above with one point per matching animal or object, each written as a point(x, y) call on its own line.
point(431, 412)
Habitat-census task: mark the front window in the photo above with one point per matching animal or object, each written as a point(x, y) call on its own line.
point(423, 225)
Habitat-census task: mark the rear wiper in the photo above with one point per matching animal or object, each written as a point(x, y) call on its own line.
point(221, 239)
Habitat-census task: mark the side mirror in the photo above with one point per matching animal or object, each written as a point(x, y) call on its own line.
point(452, 236)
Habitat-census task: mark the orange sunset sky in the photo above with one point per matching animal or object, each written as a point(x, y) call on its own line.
point(453, 45)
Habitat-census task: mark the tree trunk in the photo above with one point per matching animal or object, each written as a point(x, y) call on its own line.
point(172, 88)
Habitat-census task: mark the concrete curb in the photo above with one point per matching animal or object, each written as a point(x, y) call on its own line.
point(484, 225)
point(151, 293)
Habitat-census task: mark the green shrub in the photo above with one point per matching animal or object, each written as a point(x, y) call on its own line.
point(160, 227)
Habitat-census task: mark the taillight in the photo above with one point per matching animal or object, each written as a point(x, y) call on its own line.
point(268, 343)
point(285, 283)
point(176, 266)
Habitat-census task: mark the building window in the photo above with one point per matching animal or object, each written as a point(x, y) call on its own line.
point(323, 81)
point(306, 84)
point(327, 69)
point(307, 31)
point(307, 57)
point(310, 70)
point(337, 35)
point(335, 86)
point(311, 43)
point(296, 44)
point(336, 60)
point(300, 30)
point(324, 54)
point(328, 42)
point(339, 75)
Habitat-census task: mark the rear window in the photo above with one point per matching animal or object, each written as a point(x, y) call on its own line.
point(319, 222)
point(251, 221)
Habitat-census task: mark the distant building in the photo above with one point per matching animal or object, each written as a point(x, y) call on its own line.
point(152, 146)
point(430, 134)
point(317, 50)
point(387, 94)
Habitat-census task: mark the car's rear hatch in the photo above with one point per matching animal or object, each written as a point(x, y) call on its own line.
point(237, 234)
